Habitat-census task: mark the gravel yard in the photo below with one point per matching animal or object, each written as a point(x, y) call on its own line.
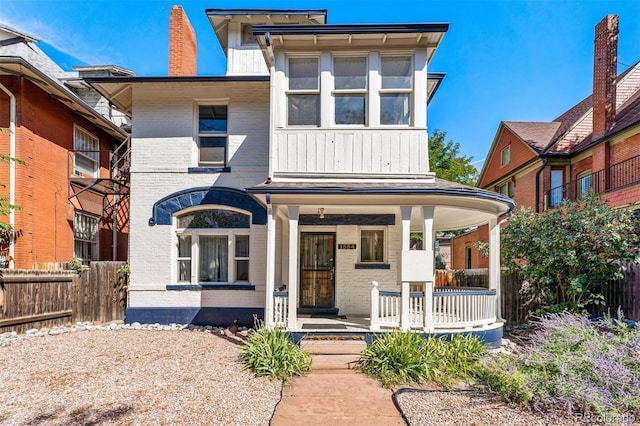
point(443, 408)
point(131, 377)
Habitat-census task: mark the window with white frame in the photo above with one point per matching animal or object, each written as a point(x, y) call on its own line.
point(350, 89)
point(86, 149)
point(212, 135)
point(303, 94)
point(213, 246)
point(505, 156)
point(396, 88)
point(85, 236)
point(372, 246)
point(507, 189)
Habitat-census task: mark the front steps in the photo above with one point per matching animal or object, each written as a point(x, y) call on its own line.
point(328, 354)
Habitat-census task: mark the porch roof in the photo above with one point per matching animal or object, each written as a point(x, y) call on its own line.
point(457, 206)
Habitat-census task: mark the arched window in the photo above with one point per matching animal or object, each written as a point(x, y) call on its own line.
point(212, 246)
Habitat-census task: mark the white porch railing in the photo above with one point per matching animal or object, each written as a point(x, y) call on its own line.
point(452, 307)
point(280, 308)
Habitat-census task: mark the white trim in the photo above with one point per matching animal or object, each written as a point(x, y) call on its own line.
point(196, 128)
point(195, 234)
point(385, 243)
point(95, 161)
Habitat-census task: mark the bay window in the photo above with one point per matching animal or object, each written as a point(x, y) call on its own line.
point(213, 246)
point(303, 94)
point(350, 89)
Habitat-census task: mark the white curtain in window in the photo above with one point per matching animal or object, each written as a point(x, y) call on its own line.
point(214, 258)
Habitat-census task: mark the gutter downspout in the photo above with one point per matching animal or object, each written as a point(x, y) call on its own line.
point(544, 164)
point(12, 169)
point(272, 100)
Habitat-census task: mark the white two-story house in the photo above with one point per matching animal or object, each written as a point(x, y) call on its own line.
point(289, 187)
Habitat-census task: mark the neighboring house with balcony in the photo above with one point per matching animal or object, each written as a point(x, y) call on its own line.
point(592, 147)
point(289, 186)
point(72, 188)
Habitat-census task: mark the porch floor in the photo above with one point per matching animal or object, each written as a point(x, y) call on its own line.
point(333, 324)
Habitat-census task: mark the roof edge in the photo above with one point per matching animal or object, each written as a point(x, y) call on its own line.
point(179, 79)
point(351, 29)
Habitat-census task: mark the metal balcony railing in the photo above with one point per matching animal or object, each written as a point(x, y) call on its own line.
point(614, 177)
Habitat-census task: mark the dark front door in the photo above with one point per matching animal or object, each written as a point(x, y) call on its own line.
point(317, 254)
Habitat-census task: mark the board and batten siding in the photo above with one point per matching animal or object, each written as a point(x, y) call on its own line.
point(362, 151)
point(243, 59)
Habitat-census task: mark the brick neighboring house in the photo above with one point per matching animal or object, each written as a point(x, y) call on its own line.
point(592, 147)
point(72, 189)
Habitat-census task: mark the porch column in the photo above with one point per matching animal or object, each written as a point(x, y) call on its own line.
point(428, 244)
point(272, 212)
point(494, 263)
point(294, 213)
point(405, 317)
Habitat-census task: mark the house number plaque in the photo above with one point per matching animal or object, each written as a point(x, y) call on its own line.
point(346, 246)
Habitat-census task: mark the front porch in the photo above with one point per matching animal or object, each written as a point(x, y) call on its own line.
point(449, 310)
point(347, 248)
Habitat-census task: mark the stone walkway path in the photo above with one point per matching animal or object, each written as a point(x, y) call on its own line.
point(336, 397)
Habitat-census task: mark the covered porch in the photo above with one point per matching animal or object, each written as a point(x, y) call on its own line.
point(323, 277)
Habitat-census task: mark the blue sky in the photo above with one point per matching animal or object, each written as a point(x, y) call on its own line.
point(505, 60)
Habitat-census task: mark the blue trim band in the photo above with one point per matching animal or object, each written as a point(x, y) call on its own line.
point(164, 209)
point(348, 219)
point(372, 266)
point(197, 316)
point(209, 170)
point(221, 286)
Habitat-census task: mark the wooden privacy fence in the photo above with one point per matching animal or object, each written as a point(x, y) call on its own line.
point(46, 298)
point(623, 293)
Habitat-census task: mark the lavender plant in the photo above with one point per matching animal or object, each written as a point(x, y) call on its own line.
point(574, 365)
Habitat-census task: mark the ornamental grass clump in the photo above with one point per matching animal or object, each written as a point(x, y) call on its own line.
point(271, 352)
point(406, 357)
point(574, 366)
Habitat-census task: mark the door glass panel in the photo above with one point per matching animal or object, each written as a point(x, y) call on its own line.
point(317, 270)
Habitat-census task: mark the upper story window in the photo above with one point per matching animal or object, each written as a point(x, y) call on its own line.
point(303, 94)
point(583, 183)
point(86, 149)
point(505, 156)
point(396, 89)
point(350, 89)
point(556, 193)
point(212, 135)
point(507, 189)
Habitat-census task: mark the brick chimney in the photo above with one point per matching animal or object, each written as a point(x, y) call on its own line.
point(182, 44)
point(604, 74)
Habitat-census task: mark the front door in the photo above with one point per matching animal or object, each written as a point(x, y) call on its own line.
point(317, 254)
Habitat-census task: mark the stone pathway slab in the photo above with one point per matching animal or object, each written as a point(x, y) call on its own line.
point(336, 397)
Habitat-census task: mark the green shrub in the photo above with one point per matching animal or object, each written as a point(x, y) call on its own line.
point(502, 376)
point(272, 353)
point(573, 365)
point(407, 357)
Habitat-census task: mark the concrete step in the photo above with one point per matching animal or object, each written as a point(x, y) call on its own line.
point(335, 347)
point(334, 362)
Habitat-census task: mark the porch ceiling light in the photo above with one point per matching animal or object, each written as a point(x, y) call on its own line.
point(321, 213)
